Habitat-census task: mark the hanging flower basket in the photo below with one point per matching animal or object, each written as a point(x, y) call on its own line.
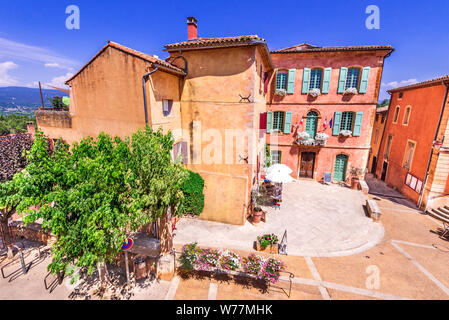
point(303, 135)
point(321, 136)
point(345, 133)
point(314, 92)
point(306, 142)
point(350, 91)
point(280, 92)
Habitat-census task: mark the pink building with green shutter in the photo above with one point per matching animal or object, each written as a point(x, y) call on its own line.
point(321, 107)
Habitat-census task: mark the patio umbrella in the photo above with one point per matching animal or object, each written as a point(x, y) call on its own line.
point(279, 177)
point(278, 167)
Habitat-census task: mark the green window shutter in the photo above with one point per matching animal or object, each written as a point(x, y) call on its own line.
point(291, 81)
point(336, 125)
point(287, 122)
point(326, 80)
point(364, 80)
point(358, 124)
point(305, 80)
point(269, 121)
point(342, 79)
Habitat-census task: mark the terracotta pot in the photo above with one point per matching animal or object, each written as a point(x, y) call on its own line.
point(355, 183)
point(259, 248)
point(257, 216)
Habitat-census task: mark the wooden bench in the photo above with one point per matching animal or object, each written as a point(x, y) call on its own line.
point(373, 210)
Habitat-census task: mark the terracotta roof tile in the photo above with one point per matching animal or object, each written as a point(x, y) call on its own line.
point(422, 83)
point(213, 42)
point(305, 47)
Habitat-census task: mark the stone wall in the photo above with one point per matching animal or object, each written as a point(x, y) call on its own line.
point(51, 118)
point(32, 231)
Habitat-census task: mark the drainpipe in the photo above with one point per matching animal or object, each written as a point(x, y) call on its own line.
point(144, 80)
point(383, 132)
point(431, 149)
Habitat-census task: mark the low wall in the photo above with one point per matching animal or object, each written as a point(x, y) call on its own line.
point(32, 232)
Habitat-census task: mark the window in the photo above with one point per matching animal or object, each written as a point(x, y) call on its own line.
point(352, 80)
point(278, 120)
point(275, 156)
point(383, 118)
point(388, 146)
point(401, 94)
point(166, 107)
point(347, 120)
point(396, 115)
point(311, 124)
point(316, 76)
point(406, 115)
point(281, 80)
point(408, 155)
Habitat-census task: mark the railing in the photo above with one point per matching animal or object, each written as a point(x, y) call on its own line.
point(311, 142)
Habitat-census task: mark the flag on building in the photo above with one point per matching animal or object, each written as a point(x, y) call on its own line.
point(325, 123)
point(330, 124)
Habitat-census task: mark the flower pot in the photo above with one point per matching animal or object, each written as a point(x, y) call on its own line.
point(355, 183)
point(257, 216)
point(267, 249)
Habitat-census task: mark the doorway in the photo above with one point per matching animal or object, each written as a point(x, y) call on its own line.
point(374, 165)
point(384, 171)
point(307, 165)
point(341, 162)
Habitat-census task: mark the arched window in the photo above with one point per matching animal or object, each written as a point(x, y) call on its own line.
point(396, 114)
point(352, 80)
point(408, 109)
point(316, 76)
point(347, 121)
point(311, 124)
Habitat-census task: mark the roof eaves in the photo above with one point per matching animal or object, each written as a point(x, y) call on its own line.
point(421, 84)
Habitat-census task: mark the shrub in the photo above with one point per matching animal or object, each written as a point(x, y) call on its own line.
point(229, 261)
point(189, 256)
point(208, 259)
point(271, 270)
point(193, 202)
point(253, 264)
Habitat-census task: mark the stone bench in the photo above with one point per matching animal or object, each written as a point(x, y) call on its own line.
point(373, 210)
point(363, 186)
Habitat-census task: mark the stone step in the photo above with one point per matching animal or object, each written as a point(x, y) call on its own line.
point(438, 215)
point(444, 210)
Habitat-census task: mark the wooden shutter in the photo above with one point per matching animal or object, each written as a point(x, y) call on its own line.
point(269, 121)
point(336, 124)
point(287, 122)
point(326, 80)
point(364, 80)
point(342, 79)
point(358, 124)
point(306, 80)
point(291, 81)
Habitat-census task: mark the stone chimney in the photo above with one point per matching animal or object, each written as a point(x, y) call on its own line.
point(192, 29)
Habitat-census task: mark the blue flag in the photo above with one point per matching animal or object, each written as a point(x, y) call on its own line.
point(330, 124)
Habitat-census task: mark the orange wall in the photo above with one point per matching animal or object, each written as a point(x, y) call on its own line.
point(426, 103)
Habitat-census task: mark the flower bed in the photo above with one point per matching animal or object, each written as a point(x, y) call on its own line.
point(194, 258)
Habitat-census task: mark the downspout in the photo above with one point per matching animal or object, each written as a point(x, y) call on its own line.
point(383, 132)
point(144, 80)
point(431, 149)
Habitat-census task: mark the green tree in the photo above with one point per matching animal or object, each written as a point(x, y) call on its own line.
point(91, 196)
point(192, 188)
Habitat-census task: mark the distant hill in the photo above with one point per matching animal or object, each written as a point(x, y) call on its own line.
point(23, 100)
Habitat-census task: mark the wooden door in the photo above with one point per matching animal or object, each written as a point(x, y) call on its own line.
point(307, 164)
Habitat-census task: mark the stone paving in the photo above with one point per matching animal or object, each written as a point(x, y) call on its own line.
point(321, 221)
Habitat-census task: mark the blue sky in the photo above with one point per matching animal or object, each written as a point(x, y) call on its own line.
point(35, 44)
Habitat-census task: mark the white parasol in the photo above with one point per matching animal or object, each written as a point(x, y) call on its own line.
point(279, 177)
point(278, 167)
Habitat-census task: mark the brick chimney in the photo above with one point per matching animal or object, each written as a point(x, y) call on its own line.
point(192, 29)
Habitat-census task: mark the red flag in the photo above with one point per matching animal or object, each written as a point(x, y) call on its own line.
point(325, 123)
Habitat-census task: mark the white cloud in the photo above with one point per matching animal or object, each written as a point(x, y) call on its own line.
point(60, 81)
point(5, 78)
point(56, 65)
point(396, 84)
point(11, 49)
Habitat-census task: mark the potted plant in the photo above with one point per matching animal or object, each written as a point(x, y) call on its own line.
point(350, 91)
point(355, 174)
point(257, 214)
point(303, 135)
point(280, 92)
point(345, 133)
point(268, 242)
point(315, 92)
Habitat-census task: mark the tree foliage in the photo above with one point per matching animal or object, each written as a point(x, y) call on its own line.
point(192, 188)
point(90, 196)
point(14, 123)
